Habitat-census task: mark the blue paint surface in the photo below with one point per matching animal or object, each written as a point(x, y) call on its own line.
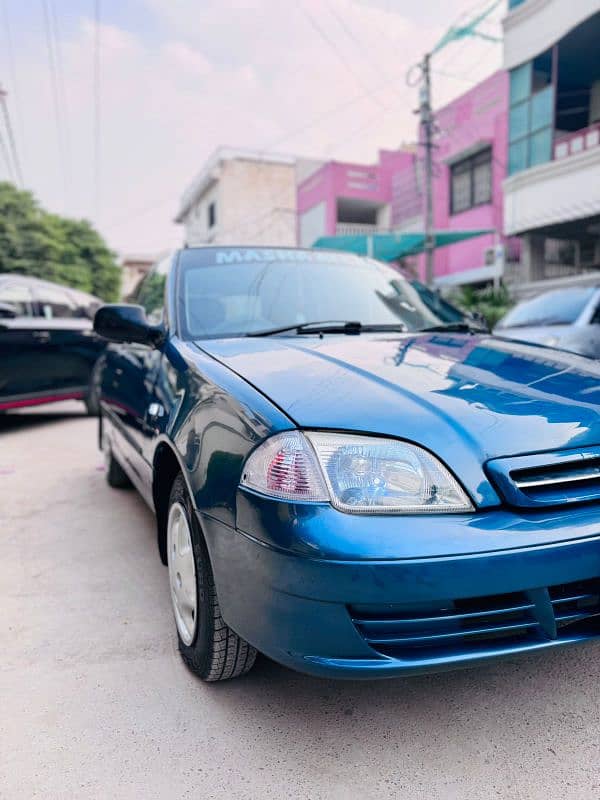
point(356, 595)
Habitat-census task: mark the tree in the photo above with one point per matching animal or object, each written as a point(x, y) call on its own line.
point(67, 251)
point(492, 303)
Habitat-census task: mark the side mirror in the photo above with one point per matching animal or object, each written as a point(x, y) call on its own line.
point(480, 319)
point(125, 323)
point(8, 311)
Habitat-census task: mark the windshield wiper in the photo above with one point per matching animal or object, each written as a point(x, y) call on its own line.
point(332, 326)
point(537, 323)
point(455, 327)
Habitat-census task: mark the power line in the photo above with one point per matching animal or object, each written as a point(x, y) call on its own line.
point(60, 72)
point(370, 91)
point(341, 57)
point(97, 109)
point(285, 137)
point(12, 68)
point(455, 77)
point(11, 138)
point(56, 96)
point(350, 33)
point(331, 150)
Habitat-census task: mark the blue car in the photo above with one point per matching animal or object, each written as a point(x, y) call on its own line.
point(347, 475)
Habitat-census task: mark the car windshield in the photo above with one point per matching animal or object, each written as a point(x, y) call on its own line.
point(234, 292)
point(561, 307)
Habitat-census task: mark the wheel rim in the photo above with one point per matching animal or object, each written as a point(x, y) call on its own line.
point(182, 573)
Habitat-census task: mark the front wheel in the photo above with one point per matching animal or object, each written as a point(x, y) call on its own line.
point(92, 397)
point(116, 477)
point(207, 644)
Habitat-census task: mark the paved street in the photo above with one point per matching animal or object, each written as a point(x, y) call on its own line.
point(96, 703)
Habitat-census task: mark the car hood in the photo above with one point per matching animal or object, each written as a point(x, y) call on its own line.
point(467, 398)
point(584, 340)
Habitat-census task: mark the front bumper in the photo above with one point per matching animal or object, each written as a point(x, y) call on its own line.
point(382, 617)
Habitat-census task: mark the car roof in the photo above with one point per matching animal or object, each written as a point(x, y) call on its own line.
point(32, 281)
point(271, 247)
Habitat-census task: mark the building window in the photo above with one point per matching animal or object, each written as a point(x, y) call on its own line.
point(471, 182)
point(531, 117)
point(212, 215)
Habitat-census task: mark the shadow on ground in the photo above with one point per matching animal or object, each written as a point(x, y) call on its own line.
point(522, 688)
point(15, 421)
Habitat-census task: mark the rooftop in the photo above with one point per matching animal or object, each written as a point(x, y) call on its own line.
point(207, 174)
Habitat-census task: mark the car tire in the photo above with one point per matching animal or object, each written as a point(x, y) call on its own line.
point(92, 397)
point(116, 477)
point(207, 644)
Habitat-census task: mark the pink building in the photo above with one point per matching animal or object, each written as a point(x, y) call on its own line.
point(470, 165)
point(344, 198)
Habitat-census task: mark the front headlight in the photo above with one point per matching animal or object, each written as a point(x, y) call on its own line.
point(357, 474)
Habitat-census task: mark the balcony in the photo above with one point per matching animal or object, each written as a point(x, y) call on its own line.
point(576, 142)
point(557, 192)
point(533, 26)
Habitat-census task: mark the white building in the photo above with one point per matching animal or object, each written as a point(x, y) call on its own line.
point(243, 197)
point(552, 193)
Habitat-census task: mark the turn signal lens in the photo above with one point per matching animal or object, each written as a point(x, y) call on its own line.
point(285, 466)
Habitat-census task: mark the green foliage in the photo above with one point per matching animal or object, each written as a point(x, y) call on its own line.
point(151, 293)
point(492, 303)
point(35, 242)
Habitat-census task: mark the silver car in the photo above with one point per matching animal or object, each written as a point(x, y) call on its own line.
point(565, 318)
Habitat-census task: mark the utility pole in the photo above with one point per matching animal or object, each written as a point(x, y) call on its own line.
point(455, 33)
point(15, 166)
point(427, 128)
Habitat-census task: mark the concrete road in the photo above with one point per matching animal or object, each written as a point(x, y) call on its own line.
point(96, 703)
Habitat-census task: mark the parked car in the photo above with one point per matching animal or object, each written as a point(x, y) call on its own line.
point(346, 478)
point(565, 318)
point(48, 347)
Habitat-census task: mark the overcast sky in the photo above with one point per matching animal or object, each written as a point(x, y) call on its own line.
point(321, 78)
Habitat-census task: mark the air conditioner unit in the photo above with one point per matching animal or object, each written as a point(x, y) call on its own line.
point(494, 256)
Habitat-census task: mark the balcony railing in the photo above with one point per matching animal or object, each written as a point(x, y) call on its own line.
point(572, 143)
point(355, 229)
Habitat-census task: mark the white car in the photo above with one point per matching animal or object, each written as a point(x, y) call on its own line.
point(565, 318)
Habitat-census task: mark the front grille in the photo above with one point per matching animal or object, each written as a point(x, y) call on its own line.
point(494, 621)
point(549, 479)
point(580, 481)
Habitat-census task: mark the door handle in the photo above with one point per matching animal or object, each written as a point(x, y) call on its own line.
point(156, 410)
point(41, 336)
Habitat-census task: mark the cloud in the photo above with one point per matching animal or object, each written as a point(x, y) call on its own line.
point(183, 57)
point(317, 77)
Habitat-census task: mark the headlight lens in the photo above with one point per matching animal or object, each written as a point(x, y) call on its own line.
point(357, 474)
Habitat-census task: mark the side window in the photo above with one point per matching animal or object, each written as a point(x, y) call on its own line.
point(151, 295)
point(55, 303)
point(18, 298)
point(471, 182)
point(596, 317)
point(85, 306)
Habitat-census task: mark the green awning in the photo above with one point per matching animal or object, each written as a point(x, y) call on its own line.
point(392, 246)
